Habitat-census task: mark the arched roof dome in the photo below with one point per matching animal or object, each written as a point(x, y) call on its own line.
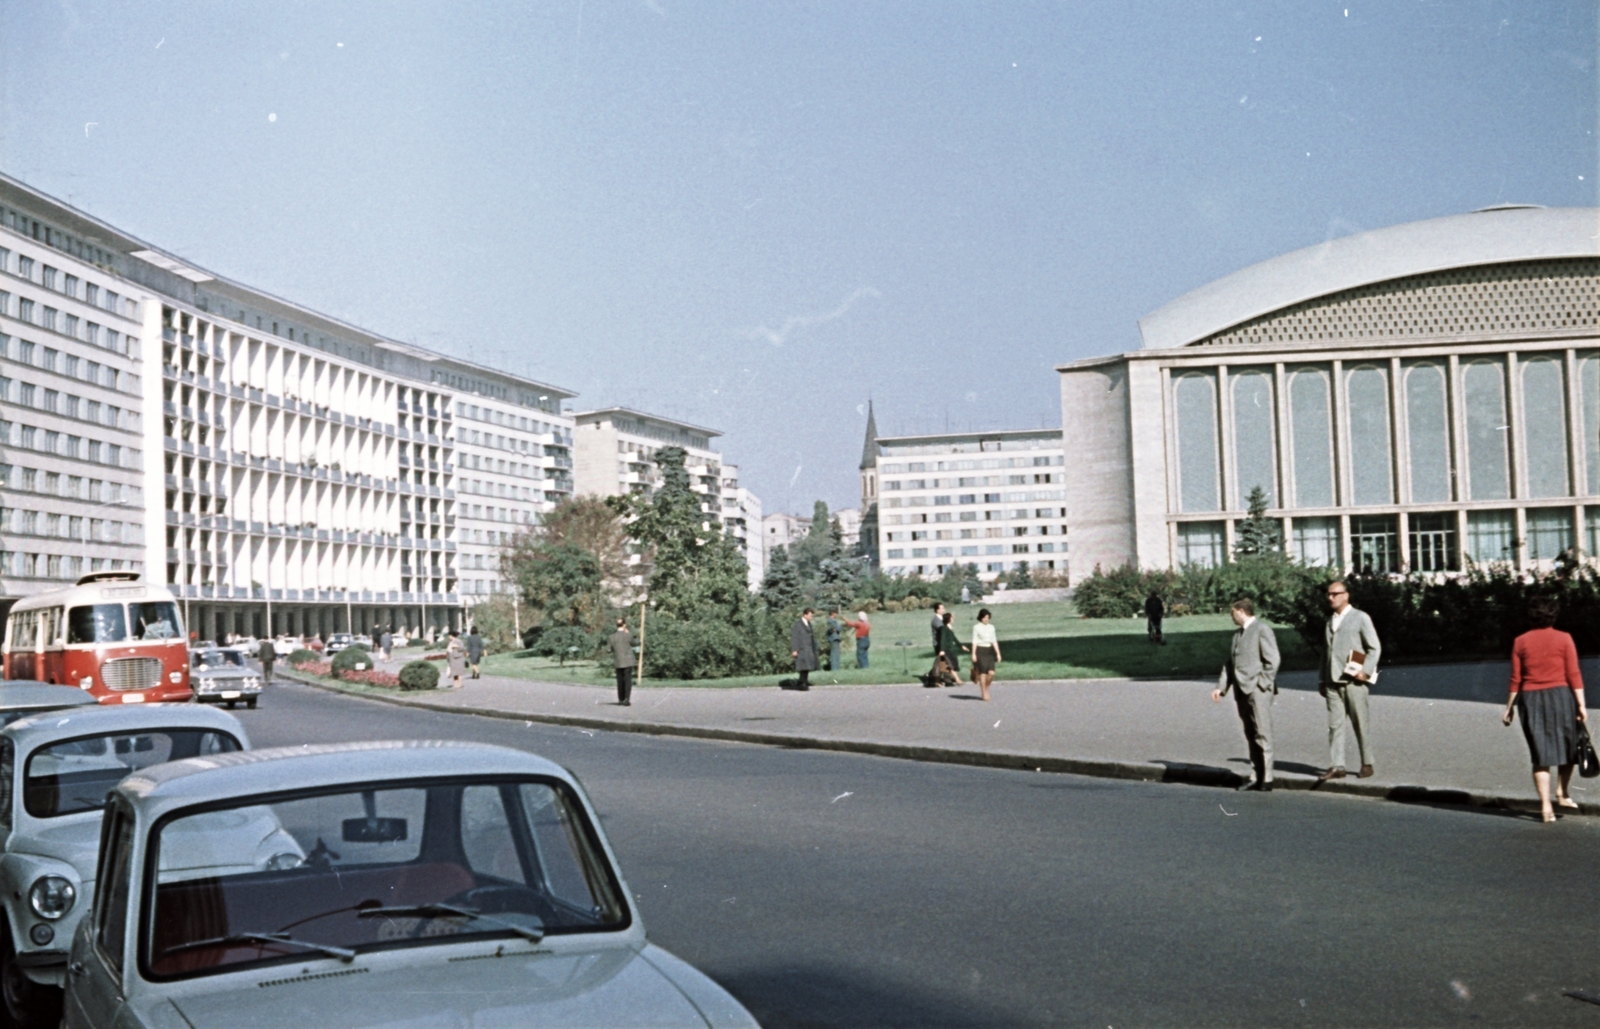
point(1494, 236)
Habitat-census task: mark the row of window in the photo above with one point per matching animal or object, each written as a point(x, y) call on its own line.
point(44, 523)
point(969, 534)
point(67, 284)
point(58, 566)
point(508, 421)
point(66, 324)
point(972, 516)
point(971, 551)
point(50, 359)
point(50, 441)
point(1043, 461)
point(948, 500)
point(73, 487)
point(1458, 435)
point(66, 405)
point(991, 566)
point(1435, 539)
point(1040, 478)
point(30, 228)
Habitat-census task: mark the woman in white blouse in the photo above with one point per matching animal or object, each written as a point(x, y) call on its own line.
point(985, 652)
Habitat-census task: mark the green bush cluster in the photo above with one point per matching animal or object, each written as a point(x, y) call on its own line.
point(1419, 617)
point(347, 659)
point(712, 648)
point(558, 641)
point(419, 675)
point(303, 656)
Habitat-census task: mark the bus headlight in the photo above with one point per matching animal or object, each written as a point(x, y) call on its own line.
point(52, 896)
point(176, 677)
point(87, 682)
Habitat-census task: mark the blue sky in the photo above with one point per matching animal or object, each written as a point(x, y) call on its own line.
point(754, 216)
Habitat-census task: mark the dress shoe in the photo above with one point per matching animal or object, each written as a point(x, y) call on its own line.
point(1332, 773)
point(1365, 773)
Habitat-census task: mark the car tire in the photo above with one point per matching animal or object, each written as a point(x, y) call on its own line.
point(251, 703)
point(230, 705)
point(28, 1005)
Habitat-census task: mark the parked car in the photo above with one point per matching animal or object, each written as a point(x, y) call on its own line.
point(339, 641)
point(249, 646)
point(59, 767)
point(221, 676)
point(420, 883)
point(20, 698)
point(363, 641)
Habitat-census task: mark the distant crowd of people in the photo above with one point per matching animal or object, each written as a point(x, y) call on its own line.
point(1545, 691)
point(983, 648)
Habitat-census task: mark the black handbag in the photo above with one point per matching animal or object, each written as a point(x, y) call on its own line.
point(1588, 761)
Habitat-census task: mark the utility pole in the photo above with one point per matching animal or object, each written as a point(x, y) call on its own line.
point(639, 677)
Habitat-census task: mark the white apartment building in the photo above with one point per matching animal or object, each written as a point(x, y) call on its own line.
point(301, 474)
point(613, 454)
point(514, 462)
point(991, 499)
point(71, 402)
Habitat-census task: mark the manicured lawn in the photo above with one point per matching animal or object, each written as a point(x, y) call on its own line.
point(1038, 641)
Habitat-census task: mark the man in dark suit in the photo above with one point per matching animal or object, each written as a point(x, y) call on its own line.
point(1252, 673)
point(266, 655)
point(803, 648)
point(623, 659)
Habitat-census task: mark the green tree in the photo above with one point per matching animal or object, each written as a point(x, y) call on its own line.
point(781, 588)
point(976, 587)
point(1258, 535)
point(563, 583)
point(695, 569)
point(819, 544)
point(1021, 579)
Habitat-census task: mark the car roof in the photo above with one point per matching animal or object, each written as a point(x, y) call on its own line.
point(20, 694)
point(42, 728)
point(242, 773)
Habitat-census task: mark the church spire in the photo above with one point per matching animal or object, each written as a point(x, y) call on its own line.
point(869, 449)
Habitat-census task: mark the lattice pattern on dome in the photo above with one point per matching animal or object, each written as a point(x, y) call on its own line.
point(1486, 300)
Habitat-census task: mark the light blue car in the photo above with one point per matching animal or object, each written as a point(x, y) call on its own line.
point(381, 884)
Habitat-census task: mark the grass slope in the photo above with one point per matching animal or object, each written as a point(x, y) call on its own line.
point(1038, 641)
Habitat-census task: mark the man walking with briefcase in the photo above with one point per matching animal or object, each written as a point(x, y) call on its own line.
point(1349, 666)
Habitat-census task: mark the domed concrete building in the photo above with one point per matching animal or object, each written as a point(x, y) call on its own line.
point(1419, 397)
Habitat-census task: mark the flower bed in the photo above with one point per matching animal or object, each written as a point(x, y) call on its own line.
point(322, 668)
point(372, 677)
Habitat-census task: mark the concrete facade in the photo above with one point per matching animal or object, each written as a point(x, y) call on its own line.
point(1423, 397)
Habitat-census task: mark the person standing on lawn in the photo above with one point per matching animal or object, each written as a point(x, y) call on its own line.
point(863, 630)
point(803, 648)
point(1349, 632)
point(985, 652)
point(835, 637)
point(623, 659)
point(1547, 690)
point(1154, 611)
point(937, 626)
point(1252, 673)
point(474, 645)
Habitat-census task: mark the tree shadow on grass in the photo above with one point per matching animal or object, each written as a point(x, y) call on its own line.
point(815, 995)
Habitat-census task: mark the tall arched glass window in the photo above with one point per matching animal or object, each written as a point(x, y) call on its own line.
point(1488, 430)
point(1589, 387)
point(1309, 409)
point(1194, 399)
point(1544, 421)
point(1371, 462)
point(1427, 430)
point(1254, 437)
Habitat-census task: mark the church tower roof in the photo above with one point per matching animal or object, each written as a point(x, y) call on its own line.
point(869, 448)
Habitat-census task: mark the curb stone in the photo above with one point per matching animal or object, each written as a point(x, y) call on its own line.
point(1141, 771)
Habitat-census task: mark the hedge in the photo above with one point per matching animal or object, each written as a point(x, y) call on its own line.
point(347, 659)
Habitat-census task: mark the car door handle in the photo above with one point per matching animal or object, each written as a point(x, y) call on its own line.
point(76, 968)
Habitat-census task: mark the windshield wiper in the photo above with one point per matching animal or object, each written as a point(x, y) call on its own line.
point(341, 953)
point(449, 911)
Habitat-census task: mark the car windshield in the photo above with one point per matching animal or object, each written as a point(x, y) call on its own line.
point(75, 775)
point(97, 623)
point(155, 620)
point(364, 869)
point(215, 660)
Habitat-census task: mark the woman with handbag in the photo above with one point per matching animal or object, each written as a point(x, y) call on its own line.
point(1547, 690)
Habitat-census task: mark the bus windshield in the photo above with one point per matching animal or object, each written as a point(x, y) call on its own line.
point(97, 623)
point(155, 620)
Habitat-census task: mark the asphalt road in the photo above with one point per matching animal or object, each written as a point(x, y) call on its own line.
point(841, 890)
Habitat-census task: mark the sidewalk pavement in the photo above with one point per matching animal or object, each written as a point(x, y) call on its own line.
point(1437, 735)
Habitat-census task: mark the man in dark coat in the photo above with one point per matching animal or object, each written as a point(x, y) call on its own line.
point(1154, 611)
point(803, 648)
point(622, 643)
point(266, 655)
point(474, 645)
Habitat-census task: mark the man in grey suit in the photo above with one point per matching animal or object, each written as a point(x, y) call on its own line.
point(1252, 673)
point(1349, 631)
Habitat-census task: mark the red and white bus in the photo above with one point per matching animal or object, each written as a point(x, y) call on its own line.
point(117, 637)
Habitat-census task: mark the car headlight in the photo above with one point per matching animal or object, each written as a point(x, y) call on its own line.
point(52, 896)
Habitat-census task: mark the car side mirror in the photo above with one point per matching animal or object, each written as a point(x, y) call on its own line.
point(374, 830)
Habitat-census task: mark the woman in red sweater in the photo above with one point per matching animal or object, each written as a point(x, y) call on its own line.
point(1548, 689)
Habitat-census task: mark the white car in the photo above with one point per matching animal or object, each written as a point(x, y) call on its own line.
point(249, 646)
point(381, 884)
point(56, 770)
